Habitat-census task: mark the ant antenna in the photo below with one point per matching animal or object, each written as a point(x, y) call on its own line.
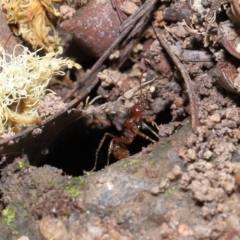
point(140, 87)
point(140, 80)
point(132, 91)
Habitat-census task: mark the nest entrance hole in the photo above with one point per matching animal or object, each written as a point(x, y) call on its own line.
point(74, 149)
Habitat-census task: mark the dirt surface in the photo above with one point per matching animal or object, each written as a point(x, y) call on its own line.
point(136, 198)
point(180, 68)
point(142, 197)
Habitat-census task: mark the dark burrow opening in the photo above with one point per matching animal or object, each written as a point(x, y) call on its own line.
point(75, 147)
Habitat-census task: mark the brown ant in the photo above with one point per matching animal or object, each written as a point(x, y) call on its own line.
point(136, 120)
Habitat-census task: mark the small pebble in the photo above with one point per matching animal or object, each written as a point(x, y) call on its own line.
point(207, 155)
point(185, 230)
point(175, 173)
point(191, 154)
point(164, 184)
point(52, 228)
point(23, 238)
point(155, 191)
point(216, 118)
point(129, 7)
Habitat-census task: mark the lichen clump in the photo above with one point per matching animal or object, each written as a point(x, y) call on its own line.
point(32, 21)
point(23, 82)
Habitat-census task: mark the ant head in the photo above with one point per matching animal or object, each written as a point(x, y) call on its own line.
point(138, 109)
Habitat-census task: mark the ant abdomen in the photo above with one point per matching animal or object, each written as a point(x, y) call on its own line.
point(120, 151)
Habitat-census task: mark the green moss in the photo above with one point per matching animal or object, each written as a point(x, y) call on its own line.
point(32, 184)
point(25, 213)
point(170, 192)
point(34, 194)
point(153, 162)
point(50, 182)
point(82, 181)
point(78, 178)
point(165, 146)
point(22, 164)
point(130, 164)
point(14, 231)
point(88, 174)
point(8, 215)
point(72, 191)
point(68, 213)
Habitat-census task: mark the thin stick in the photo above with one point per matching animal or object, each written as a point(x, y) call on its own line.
point(137, 15)
point(192, 98)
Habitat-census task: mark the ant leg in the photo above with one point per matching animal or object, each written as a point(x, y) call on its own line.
point(137, 132)
point(151, 130)
point(149, 119)
point(109, 151)
point(99, 147)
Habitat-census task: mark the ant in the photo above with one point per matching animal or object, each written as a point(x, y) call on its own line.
point(136, 120)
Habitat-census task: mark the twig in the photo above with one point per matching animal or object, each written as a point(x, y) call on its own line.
point(138, 14)
point(116, 5)
point(141, 22)
point(192, 98)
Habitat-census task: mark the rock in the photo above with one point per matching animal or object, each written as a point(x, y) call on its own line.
point(94, 27)
point(52, 228)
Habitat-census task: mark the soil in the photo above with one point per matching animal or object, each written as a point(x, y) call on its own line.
point(184, 185)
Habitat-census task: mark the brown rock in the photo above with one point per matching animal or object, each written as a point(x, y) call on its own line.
point(94, 27)
point(185, 230)
point(175, 173)
point(52, 228)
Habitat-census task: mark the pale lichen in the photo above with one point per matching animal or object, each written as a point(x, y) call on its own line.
point(23, 82)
